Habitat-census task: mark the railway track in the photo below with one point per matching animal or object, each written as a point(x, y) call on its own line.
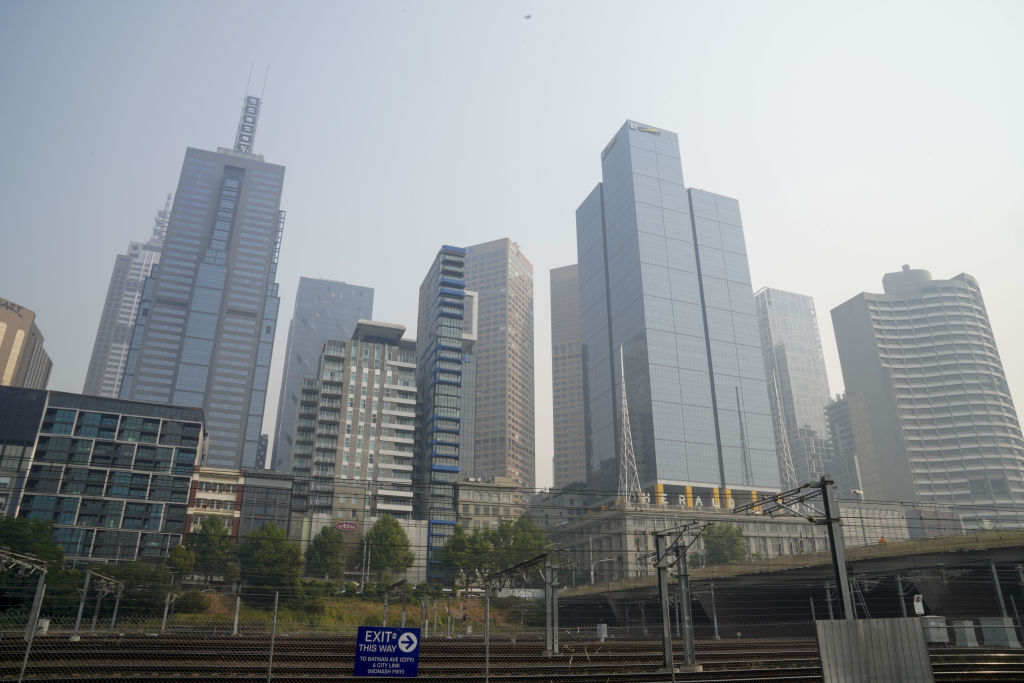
point(238, 659)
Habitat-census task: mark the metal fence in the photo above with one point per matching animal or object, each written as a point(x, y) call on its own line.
point(489, 644)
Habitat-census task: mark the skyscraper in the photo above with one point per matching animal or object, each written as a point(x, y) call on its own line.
point(23, 360)
point(663, 277)
point(931, 412)
point(324, 309)
point(446, 331)
point(205, 329)
point(504, 439)
point(124, 294)
point(794, 367)
point(354, 442)
point(842, 466)
point(570, 454)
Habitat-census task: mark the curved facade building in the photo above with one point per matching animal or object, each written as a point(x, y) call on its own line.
point(931, 412)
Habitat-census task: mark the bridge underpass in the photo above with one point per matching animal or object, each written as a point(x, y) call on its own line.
point(953, 574)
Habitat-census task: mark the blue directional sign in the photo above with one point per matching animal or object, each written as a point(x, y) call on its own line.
point(382, 651)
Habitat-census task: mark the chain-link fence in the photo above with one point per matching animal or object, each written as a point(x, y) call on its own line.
point(479, 638)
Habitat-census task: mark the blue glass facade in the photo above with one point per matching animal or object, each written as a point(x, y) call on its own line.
point(441, 353)
point(205, 329)
point(663, 275)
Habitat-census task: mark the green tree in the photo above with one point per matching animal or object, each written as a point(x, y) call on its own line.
point(270, 562)
point(145, 587)
point(515, 543)
point(389, 546)
point(466, 557)
point(33, 537)
point(214, 550)
point(181, 561)
point(724, 544)
point(327, 553)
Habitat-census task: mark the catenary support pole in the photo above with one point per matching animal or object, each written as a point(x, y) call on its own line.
point(899, 594)
point(37, 605)
point(96, 611)
point(31, 635)
point(714, 611)
point(828, 599)
point(487, 633)
point(117, 605)
point(833, 523)
point(661, 553)
point(810, 598)
point(1016, 616)
point(689, 657)
point(384, 617)
point(238, 607)
point(549, 639)
point(273, 635)
point(999, 590)
point(167, 607)
point(81, 604)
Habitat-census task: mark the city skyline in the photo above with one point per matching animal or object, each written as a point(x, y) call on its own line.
point(882, 129)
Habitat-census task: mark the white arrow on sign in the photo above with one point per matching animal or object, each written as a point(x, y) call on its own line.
point(407, 643)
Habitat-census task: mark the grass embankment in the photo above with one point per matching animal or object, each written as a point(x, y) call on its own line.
point(347, 613)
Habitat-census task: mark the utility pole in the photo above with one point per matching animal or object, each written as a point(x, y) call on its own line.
point(796, 502)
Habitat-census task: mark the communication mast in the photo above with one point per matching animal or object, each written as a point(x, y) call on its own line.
point(629, 480)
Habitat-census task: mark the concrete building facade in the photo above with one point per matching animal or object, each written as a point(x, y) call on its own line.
point(356, 426)
point(324, 309)
point(23, 360)
point(570, 448)
point(932, 417)
point(504, 440)
point(120, 308)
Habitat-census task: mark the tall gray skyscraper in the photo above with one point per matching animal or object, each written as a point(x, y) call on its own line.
point(663, 276)
point(504, 442)
point(570, 454)
point(205, 329)
point(124, 294)
point(794, 366)
point(842, 467)
point(932, 416)
point(324, 310)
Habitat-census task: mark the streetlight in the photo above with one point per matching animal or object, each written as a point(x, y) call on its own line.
point(860, 513)
point(595, 563)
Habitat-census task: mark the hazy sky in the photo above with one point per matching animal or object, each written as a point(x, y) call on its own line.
point(857, 137)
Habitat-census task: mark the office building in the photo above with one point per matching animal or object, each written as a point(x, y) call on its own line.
point(23, 360)
point(842, 466)
point(663, 277)
point(504, 437)
point(205, 328)
point(931, 412)
point(124, 294)
point(353, 456)
point(112, 475)
point(487, 503)
point(794, 367)
point(446, 333)
point(570, 452)
point(324, 309)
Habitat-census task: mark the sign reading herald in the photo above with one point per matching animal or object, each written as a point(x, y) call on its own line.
point(382, 651)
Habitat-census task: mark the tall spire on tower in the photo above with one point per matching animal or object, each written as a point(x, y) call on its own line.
point(250, 116)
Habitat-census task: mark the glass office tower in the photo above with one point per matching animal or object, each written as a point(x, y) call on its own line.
point(205, 329)
point(445, 335)
point(324, 309)
point(663, 276)
point(794, 366)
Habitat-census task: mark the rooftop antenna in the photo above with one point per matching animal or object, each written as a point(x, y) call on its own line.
point(250, 116)
point(629, 479)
